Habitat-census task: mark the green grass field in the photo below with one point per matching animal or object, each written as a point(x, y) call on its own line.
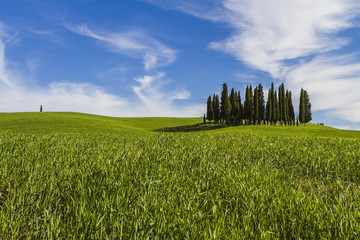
point(81, 176)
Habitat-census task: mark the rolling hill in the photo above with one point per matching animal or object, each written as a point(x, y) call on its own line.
point(82, 176)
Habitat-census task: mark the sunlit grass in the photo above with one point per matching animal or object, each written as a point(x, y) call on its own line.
point(119, 179)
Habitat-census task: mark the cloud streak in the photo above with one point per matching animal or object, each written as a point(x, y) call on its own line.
point(135, 44)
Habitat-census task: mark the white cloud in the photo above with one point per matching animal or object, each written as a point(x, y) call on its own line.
point(132, 43)
point(266, 33)
point(159, 101)
point(333, 83)
point(89, 98)
point(275, 36)
point(207, 9)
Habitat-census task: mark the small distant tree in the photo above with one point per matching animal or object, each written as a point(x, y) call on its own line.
point(40, 108)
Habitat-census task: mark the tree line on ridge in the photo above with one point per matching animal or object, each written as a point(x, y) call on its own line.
point(277, 110)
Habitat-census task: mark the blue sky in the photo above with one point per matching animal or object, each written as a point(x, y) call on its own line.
point(164, 58)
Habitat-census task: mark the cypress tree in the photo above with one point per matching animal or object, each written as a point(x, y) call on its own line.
point(276, 109)
point(251, 105)
point(302, 107)
point(246, 105)
point(268, 108)
point(307, 106)
point(240, 114)
point(291, 112)
point(225, 104)
point(236, 117)
point(210, 111)
point(256, 106)
point(40, 108)
point(233, 100)
point(273, 104)
point(216, 108)
point(261, 103)
point(280, 104)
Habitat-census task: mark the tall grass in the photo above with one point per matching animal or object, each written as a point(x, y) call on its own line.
point(212, 185)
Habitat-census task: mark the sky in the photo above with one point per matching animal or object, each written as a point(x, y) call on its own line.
point(139, 58)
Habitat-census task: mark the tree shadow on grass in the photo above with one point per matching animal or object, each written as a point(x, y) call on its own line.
point(192, 128)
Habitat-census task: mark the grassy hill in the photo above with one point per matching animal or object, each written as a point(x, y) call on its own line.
point(69, 122)
point(47, 122)
point(81, 176)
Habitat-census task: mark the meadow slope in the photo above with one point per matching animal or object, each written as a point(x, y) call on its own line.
point(81, 176)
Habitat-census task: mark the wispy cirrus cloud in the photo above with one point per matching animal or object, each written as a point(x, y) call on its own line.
point(207, 9)
point(134, 43)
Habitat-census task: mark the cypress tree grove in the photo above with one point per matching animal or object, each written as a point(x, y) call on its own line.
point(279, 107)
point(216, 108)
point(225, 104)
point(307, 106)
point(210, 111)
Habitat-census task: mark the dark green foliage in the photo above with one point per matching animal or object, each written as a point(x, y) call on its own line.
point(302, 107)
point(261, 101)
point(256, 106)
point(291, 112)
point(234, 106)
point(276, 109)
point(274, 104)
point(225, 104)
point(41, 108)
point(210, 111)
point(307, 107)
point(283, 112)
point(216, 108)
point(269, 108)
